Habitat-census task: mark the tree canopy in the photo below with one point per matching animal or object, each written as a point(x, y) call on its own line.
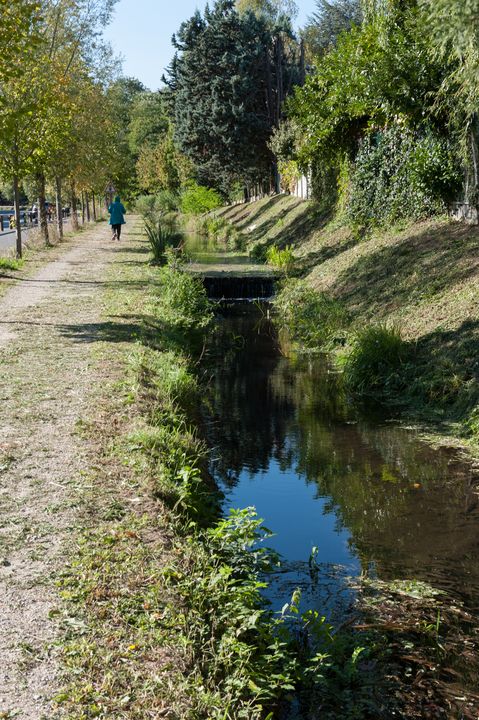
point(229, 78)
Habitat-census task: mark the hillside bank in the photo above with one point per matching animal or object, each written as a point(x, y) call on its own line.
point(421, 279)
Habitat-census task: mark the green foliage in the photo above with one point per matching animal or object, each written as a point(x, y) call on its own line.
point(271, 9)
point(148, 121)
point(290, 174)
point(329, 20)
point(312, 319)
point(285, 140)
point(378, 74)
point(10, 264)
point(401, 174)
point(223, 118)
point(454, 38)
point(161, 167)
point(376, 362)
point(220, 230)
point(151, 207)
point(161, 238)
point(281, 259)
point(183, 300)
point(197, 199)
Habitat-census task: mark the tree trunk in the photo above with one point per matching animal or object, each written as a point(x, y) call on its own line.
point(279, 79)
point(474, 161)
point(87, 203)
point(93, 206)
point(83, 208)
point(18, 223)
point(43, 209)
point(58, 203)
point(302, 65)
point(74, 208)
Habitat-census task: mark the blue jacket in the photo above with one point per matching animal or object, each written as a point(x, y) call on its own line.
point(117, 212)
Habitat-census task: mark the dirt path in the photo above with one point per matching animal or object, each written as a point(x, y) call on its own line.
point(47, 385)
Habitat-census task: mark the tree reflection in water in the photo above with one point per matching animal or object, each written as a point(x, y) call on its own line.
point(410, 511)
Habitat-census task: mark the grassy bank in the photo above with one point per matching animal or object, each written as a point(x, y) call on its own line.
point(410, 292)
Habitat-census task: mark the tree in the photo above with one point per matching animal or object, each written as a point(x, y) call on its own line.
point(330, 19)
point(453, 29)
point(56, 43)
point(229, 78)
point(272, 9)
point(162, 166)
point(122, 96)
point(148, 121)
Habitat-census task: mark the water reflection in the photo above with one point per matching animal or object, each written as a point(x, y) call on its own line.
point(205, 250)
point(368, 494)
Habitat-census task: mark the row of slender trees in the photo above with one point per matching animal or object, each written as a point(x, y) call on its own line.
point(58, 122)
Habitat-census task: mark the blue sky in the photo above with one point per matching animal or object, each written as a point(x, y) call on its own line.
point(141, 32)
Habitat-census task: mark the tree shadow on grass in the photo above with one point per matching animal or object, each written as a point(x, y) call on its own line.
point(326, 252)
point(414, 269)
point(446, 376)
point(137, 250)
point(252, 213)
point(143, 329)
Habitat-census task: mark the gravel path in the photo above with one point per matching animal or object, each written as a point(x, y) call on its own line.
point(48, 377)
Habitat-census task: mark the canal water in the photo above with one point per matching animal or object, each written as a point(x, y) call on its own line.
point(370, 496)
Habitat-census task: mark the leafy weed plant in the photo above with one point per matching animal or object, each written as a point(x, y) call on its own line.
point(281, 259)
point(10, 264)
point(183, 301)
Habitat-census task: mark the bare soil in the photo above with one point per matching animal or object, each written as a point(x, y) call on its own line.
point(48, 382)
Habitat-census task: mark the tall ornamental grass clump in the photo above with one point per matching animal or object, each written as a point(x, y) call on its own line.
point(312, 319)
point(161, 237)
point(377, 363)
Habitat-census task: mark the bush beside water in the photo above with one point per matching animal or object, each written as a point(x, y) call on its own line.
point(375, 363)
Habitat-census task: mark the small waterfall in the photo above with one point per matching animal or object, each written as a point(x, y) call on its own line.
point(247, 287)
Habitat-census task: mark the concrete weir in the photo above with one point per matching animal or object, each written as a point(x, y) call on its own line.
point(235, 282)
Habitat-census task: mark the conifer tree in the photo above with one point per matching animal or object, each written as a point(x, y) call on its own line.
point(228, 79)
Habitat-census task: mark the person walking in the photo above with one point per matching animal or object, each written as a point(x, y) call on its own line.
point(117, 217)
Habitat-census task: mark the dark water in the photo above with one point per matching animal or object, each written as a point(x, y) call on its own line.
point(369, 495)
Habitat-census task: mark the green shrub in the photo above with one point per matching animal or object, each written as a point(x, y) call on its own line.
point(184, 300)
point(151, 207)
point(281, 259)
point(377, 363)
point(161, 237)
point(399, 174)
point(258, 252)
point(311, 318)
point(197, 199)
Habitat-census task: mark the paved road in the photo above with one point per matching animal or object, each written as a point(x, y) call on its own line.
point(7, 240)
point(8, 237)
